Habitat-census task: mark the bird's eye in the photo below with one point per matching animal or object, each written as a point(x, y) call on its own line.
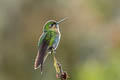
point(50, 25)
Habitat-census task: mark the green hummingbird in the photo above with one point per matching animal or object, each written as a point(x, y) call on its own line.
point(48, 41)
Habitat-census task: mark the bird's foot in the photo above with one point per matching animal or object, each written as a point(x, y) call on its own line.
point(53, 51)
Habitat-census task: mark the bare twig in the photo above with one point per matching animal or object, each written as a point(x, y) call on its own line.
point(60, 74)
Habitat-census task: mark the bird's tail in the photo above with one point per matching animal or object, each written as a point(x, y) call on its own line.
point(41, 56)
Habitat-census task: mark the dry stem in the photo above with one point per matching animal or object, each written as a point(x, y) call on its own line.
point(60, 74)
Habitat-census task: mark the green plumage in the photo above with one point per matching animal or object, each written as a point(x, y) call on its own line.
point(48, 41)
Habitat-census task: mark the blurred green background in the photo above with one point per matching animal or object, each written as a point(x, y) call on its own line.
point(90, 43)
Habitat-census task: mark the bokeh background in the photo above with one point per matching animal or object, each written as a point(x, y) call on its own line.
point(90, 43)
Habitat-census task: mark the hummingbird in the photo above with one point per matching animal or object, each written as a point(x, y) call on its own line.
point(48, 42)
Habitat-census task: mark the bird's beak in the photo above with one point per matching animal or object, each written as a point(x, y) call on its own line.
point(62, 20)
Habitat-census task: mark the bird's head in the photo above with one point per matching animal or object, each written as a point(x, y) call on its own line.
point(52, 25)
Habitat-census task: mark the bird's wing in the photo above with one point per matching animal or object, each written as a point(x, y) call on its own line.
point(42, 50)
